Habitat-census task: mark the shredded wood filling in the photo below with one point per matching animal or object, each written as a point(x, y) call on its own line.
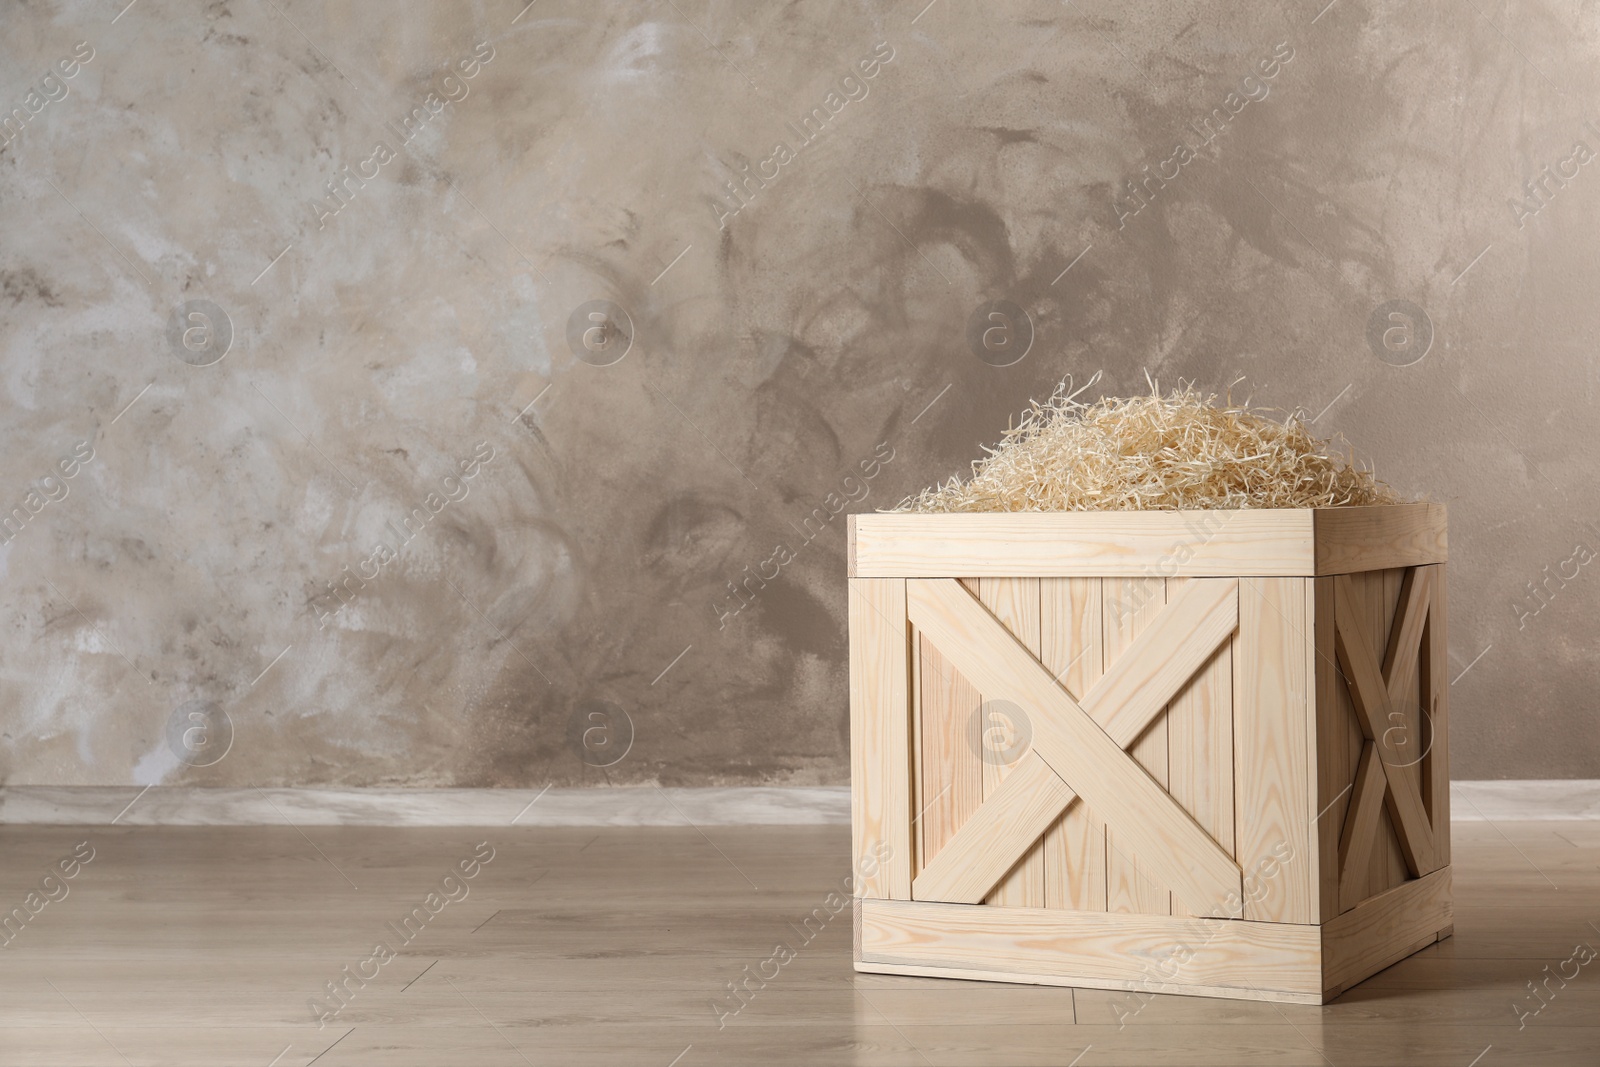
point(1163, 452)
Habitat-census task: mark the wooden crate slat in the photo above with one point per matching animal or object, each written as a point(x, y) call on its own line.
point(1015, 603)
point(1436, 689)
point(1014, 817)
point(919, 760)
point(1385, 929)
point(880, 738)
point(1070, 648)
point(1148, 670)
point(951, 776)
point(1361, 830)
point(1271, 743)
point(1188, 955)
point(1389, 868)
point(1403, 650)
point(1402, 672)
point(1200, 745)
point(1216, 544)
point(1131, 605)
point(1285, 542)
point(1339, 742)
point(1376, 538)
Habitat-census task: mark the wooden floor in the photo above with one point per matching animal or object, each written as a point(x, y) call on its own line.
point(203, 945)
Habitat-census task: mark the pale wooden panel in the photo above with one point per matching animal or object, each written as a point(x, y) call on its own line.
point(1371, 697)
point(1183, 1055)
point(1436, 689)
point(855, 951)
point(950, 776)
point(1184, 856)
point(1360, 830)
point(1014, 817)
point(1261, 542)
point(1306, 643)
point(1151, 668)
point(1070, 648)
point(1388, 867)
point(918, 758)
point(1119, 544)
point(1200, 746)
point(1338, 746)
point(1092, 947)
point(1015, 602)
point(1272, 731)
point(1070, 632)
point(1131, 605)
point(1374, 538)
point(1122, 702)
point(880, 738)
point(1411, 591)
point(1404, 656)
point(1401, 655)
point(1384, 929)
point(1367, 593)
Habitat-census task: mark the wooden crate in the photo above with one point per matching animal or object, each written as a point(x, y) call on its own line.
point(1176, 752)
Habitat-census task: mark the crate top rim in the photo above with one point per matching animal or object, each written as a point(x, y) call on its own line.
point(1266, 542)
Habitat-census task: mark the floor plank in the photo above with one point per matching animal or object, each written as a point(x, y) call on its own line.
point(572, 945)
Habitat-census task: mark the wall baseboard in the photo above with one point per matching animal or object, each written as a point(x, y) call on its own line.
point(635, 806)
point(1563, 799)
point(1493, 801)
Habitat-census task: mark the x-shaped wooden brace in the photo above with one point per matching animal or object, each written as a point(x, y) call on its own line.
point(1384, 776)
point(1081, 743)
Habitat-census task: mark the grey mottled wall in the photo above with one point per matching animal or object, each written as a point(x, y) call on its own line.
point(382, 329)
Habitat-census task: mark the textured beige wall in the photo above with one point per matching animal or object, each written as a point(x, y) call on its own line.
point(802, 338)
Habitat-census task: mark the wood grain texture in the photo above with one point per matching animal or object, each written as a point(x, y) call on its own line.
point(1141, 544)
point(1361, 827)
point(1183, 954)
point(1264, 542)
point(950, 774)
point(1376, 538)
point(919, 758)
point(1015, 603)
point(1082, 981)
point(1200, 744)
point(1402, 652)
point(1074, 745)
point(850, 545)
point(1131, 605)
point(1371, 697)
point(1389, 865)
point(1374, 594)
point(1435, 686)
point(636, 933)
point(880, 737)
point(1405, 742)
point(1014, 817)
point(1272, 746)
point(1070, 611)
point(1385, 929)
point(1335, 761)
point(1146, 668)
point(1124, 702)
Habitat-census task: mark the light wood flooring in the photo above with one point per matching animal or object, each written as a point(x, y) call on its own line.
point(574, 946)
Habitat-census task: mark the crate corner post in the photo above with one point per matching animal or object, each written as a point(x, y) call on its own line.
point(880, 738)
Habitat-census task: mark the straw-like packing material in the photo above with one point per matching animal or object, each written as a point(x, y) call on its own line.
point(1159, 452)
